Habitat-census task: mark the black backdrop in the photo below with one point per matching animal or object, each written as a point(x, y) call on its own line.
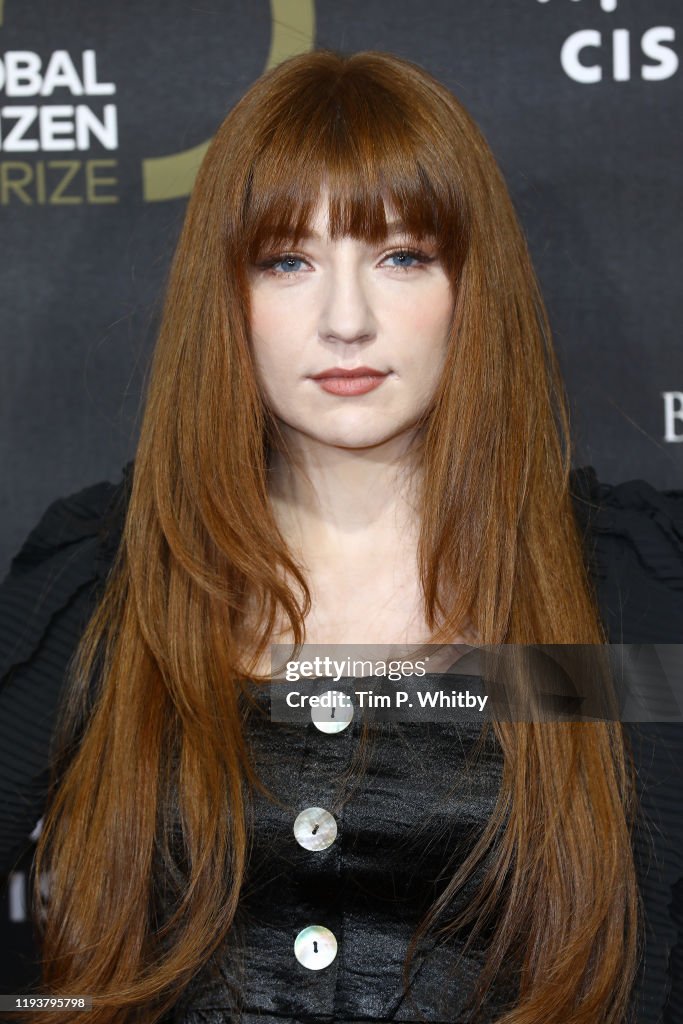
point(104, 112)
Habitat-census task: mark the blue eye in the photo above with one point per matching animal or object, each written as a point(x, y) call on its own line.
point(287, 261)
point(418, 259)
point(406, 254)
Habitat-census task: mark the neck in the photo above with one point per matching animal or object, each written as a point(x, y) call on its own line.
point(338, 505)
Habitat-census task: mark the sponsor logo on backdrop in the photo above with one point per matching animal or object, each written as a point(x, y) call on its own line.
point(84, 125)
point(673, 416)
point(31, 122)
point(603, 54)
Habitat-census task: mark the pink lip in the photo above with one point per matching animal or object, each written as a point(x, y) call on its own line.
point(351, 385)
point(358, 371)
point(338, 381)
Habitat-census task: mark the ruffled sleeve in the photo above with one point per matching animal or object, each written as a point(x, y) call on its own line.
point(634, 546)
point(45, 603)
point(633, 537)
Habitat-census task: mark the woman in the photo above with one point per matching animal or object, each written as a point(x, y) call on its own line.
point(347, 215)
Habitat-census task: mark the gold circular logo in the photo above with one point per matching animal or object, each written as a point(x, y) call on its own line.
point(292, 31)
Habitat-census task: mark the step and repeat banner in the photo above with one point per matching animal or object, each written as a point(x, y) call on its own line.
point(106, 111)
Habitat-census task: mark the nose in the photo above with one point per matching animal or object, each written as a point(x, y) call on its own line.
point(346, 312)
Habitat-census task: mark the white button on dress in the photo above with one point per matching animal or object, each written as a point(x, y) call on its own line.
point(315, 947)
point(337, 716)
point(315, 828)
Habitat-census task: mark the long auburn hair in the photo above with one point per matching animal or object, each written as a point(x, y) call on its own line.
point(168, 639)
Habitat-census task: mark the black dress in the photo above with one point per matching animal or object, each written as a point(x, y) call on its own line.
point(369, 856)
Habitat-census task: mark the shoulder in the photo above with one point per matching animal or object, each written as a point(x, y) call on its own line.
point(633, 537)
point(45, 602)
point(73, 544)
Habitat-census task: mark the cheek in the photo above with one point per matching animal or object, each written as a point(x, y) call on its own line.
point(441, 323)
point(429, 323)
point(271, 338)
point(429, 310)
point(262, 324)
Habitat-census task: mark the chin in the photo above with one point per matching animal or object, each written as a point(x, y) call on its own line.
point(360, 441)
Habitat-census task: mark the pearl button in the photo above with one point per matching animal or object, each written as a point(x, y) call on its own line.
point(315, 947)
point(315, 828)
point(337, 716)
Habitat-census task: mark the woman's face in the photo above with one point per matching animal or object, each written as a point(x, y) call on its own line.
point(327, 306)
